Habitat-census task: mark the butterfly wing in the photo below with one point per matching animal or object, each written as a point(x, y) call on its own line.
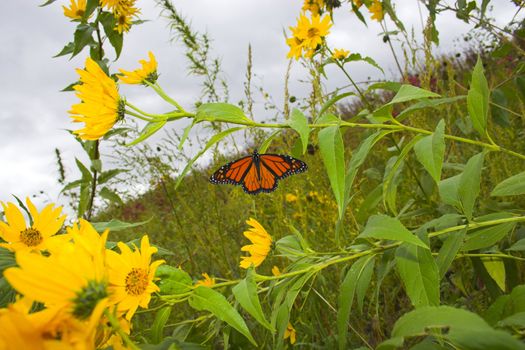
point(233, 173)
point(282, 165)
point(259, 179)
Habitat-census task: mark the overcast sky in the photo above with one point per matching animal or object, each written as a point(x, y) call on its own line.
point(33, 113)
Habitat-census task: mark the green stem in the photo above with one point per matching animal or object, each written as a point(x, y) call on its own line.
point(117, 328)
point(140, 116)
point(165, 96)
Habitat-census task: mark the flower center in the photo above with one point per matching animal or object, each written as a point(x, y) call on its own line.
point(151, 78)
point(88, 298)
point(121, 109)
point(137, 281)
point(31, 237)
point(313, 32)
point(80, 13)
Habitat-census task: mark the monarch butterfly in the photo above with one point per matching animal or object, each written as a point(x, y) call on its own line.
point(258, 172)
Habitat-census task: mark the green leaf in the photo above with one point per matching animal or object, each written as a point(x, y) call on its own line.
point(7, 259)
point(363, 283)
point(48, 2)
point(516, 320)
point(487, 236)
point(496, 270)
point(149, 129)
point(213, 140)
point(358, 159)
point(485, 339)
point(69, 48)
point(157, 328)
point(204, 298)
point(448, 250)
point(478, 99)
point(245, 293)
point(469, 184)
point(173, 280)
point(449, 191)
point(422, 320)
point(409, 92)
point(110, 195)
point(108, 175)
point(332, 152)
point(86, 174)
point(264, 146)
point(224, 112)
point(518, 246)
point(427, 103)
point(391, 172)
point(385, 85)
point(333, 101)
point(357, 57)
point(346, 297)
point(299, 123)
point(116, 225)
point(91, 6)
point(512, 186)
point(185, 135)
point(430, 151)
point(385, 227)
point(83, 37)
point(419, 273)
point(116, 39)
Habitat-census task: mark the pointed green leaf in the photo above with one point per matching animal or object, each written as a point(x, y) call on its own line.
point(173, 280)
point(149, 129)
point(117, 225)
point(333, 101)
point(346, 298)
point(223, 112)
point(157, 328)
point(83, 37)
point(332, 153)
point(409, 92)
point(478, 99)
point(204, 298)
point(385, 227)
point(419, 273)
point(245, 293)
point(430, 151)
point(299, 123)
point(470, 184)
point(496, 270)
point(487, 236)
point(449, 249)
point(512, 186)
point(110, 195)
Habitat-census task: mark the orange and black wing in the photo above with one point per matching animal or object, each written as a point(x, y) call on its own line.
point(234, 172)
point(282, 165)
point(259, 179)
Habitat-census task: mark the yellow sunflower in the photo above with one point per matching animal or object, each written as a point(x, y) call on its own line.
point(376, 9)
point(76, 9)
point(313, 32)
point(314, 6)
point(260, 247)
point(72, 279)
point(38, 236)
point(101, 105)
point(124, 11)
point(340, 54)
point(206, 282)
point(131, 275)
point(290, 333)
point(148, 72)
point(17, 331)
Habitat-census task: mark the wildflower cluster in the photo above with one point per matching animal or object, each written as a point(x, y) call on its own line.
point(308, 35)
point(123, 11)
point(80, 282)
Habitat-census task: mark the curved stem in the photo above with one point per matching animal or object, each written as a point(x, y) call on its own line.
point(164, 96)
point(118, 329)
point(140, 116)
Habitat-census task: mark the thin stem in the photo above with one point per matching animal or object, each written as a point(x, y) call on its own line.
point(164, 96)
point(117, 328)
point(140, 116)
point(89, 211)
point(383, 25)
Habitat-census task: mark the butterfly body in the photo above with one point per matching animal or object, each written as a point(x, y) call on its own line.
point(258, 172)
